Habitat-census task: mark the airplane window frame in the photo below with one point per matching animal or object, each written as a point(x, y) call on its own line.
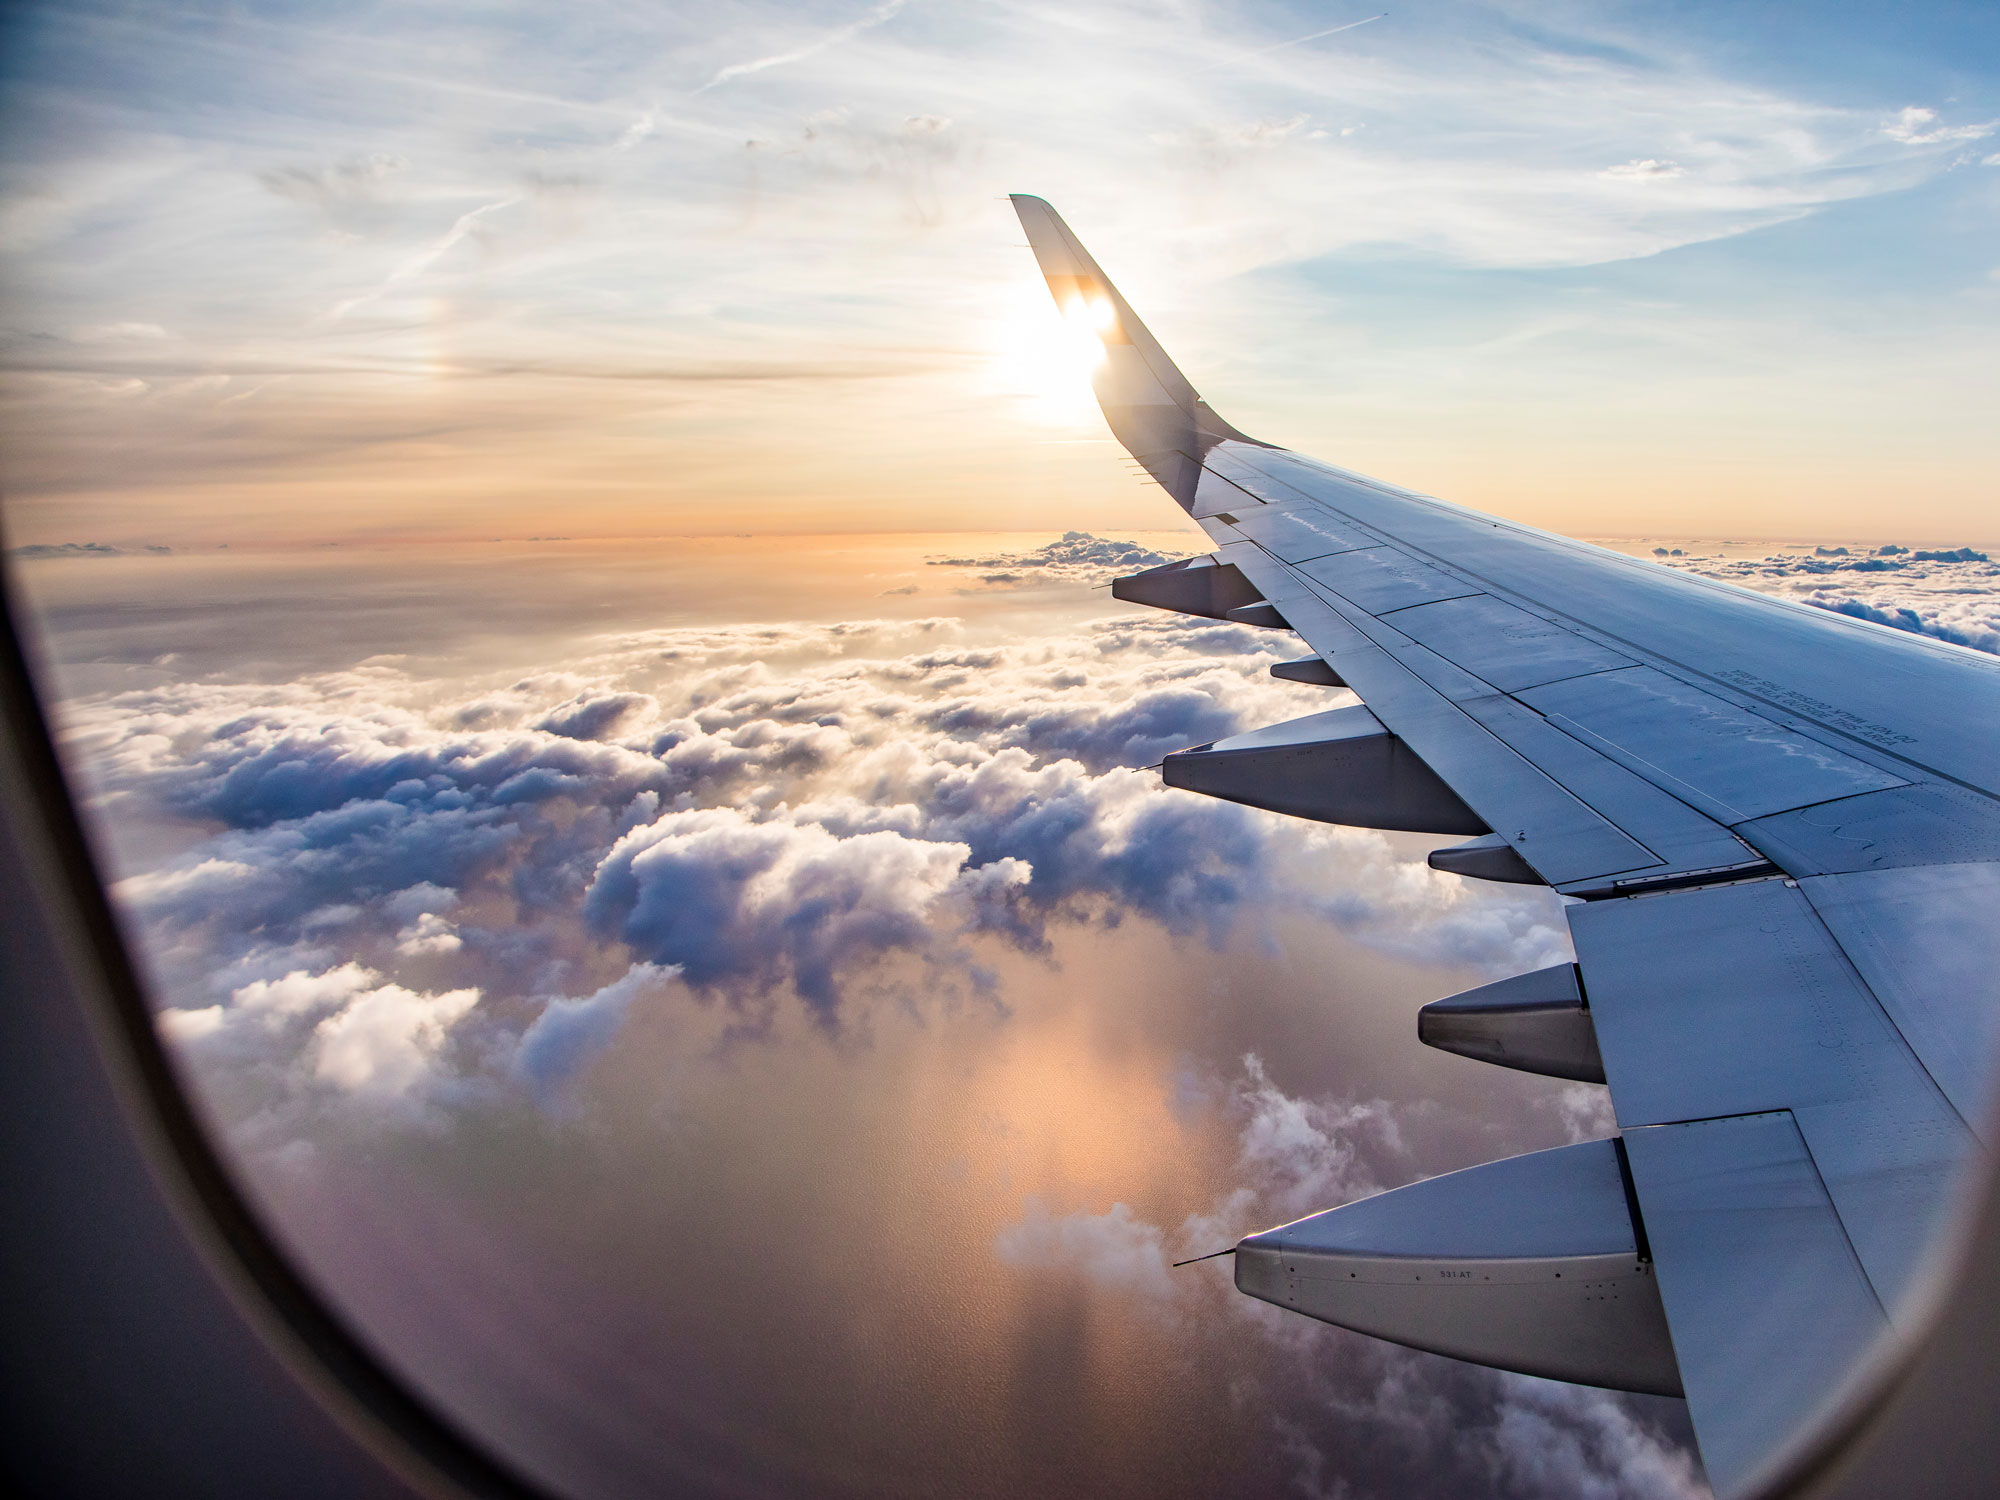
point(65, 959)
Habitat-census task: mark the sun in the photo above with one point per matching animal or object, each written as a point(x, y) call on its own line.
point(1045, 357)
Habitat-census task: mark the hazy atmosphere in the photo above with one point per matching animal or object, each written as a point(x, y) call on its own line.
point(423, 271)
point(570, 554)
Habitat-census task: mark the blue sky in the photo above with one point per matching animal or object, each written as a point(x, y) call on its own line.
point(414, 270)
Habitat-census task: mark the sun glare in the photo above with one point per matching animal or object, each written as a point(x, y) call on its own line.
point(1092, 315)
point(1046, 358)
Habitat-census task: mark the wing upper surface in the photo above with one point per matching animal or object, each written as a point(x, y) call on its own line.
point(1784, 826)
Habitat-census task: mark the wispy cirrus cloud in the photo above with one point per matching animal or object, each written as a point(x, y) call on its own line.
point(1916, 125)
point(867, 22)
point(512, 205)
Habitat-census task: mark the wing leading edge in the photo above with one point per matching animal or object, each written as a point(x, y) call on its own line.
point(1783, 828)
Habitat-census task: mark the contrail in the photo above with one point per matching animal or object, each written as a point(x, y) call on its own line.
point(1315, 36)
point(423, 260)
point(833, 38)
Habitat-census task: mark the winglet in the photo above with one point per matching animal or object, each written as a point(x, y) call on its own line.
point(1151, 408)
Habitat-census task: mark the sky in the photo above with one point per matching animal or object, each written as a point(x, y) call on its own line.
point(571, 564)
point(283, 274)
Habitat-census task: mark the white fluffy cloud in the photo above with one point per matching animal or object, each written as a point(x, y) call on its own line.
point(571, 1030)
point(1914, 125)
point(343, 1027)
point(383, 1039)
point(1949, 593)
point(1075, 557)
point(471, 880)
point(728, 897)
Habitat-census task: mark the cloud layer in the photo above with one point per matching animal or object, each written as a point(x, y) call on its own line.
point(785, 930)
point(408, 907)
point(682, 804)
point(1948, 593)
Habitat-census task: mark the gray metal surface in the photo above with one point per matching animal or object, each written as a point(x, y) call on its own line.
point(1934, 705)
point(1384, 578)
point(1315, 671)
point(1768, 1306)
point(1264, 615)
point(1681, 839)
point(1932, 824)
point(1578, 817)
point(1503, 644)
point(1193, 586)
point(1488, 858)
point(1300, 533)
point(1729, 763)
point(1734, 1000)
point(1530, 1264)
point(1536, 1022)
point(1340, 766)
point(1927, 941)
point(1215, 495)
point(1559, 835)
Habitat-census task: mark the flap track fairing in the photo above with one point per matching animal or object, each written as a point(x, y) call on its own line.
point(1532, 1264)
point(1340, 766)
point(1193, 586)
point(1263, 614)
point(1314, 671)
point(1488, 858)
point(1536, 1022)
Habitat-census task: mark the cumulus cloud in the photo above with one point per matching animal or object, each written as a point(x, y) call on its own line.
point(299, 993)
point(730, 900)
point(1295, 1156)
point(770, 812)
point(344, 1027)
point(1915, 125)
point(593, 715)
point(1077, 557)
point(383, 1039)
point(1555, 1439)
point(430, 933)
point(571, 1030)
point(1310, 1154)
point(1949, 593)
point(413, 902)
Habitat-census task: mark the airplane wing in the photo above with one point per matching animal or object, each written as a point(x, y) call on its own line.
point(1782, 830)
